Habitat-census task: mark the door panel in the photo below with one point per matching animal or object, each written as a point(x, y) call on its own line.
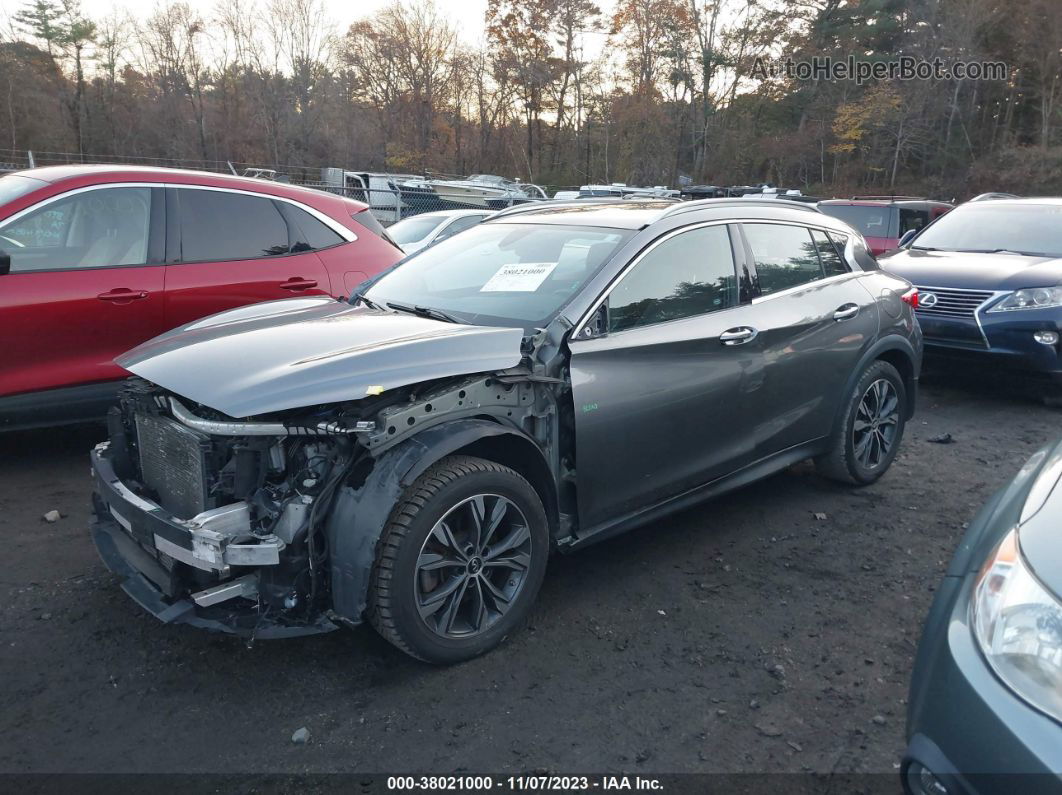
point(233, 250)
point(195, 290)
point(658, 411)
point(812, 336)
point(660, 401)
point(76, 297)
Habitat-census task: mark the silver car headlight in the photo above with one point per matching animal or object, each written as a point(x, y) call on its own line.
point(1031, 298)
point(1018, 625)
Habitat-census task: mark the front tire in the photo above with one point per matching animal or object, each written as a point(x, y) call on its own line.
point(865, 443)
point(460, 562)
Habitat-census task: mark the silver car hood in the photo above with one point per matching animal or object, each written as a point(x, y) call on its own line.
point(305, 351)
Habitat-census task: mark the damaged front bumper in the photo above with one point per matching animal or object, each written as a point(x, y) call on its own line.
point(202, 571)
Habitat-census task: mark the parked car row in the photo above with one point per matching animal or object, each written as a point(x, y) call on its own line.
point(514, 383)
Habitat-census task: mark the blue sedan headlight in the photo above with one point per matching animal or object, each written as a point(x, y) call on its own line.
point(1018, 625)
point(1031, 298)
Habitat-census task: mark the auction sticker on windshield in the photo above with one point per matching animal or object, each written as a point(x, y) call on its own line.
point(524, 277)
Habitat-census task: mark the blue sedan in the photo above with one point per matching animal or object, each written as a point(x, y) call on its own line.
point(989, 275)
point(985, 708)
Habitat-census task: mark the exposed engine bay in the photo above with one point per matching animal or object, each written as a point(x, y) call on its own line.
point(265, 500)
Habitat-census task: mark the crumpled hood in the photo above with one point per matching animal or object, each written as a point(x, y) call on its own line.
point(304, 351)
point(960, 270)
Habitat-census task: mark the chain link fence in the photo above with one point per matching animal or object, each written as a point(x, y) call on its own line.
point(391, 197)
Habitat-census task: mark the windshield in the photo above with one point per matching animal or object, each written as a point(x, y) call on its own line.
point(414, 229)
point(501, 274)
point(871, 220)
point(14, 186)
point(997, 226)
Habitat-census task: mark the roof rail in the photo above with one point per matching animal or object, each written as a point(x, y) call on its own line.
point(890, 198)
point(528, 207)
point(737, 201)
point(985, 196)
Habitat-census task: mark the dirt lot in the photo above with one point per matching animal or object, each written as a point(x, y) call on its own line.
point(745, 635)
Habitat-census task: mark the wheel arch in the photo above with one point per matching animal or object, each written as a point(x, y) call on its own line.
point(901, 354)
point(364, 503)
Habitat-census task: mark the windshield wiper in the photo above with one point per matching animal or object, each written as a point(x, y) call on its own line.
point(371, 304)
point(424, 311)
point(1001, 251)
point(925, 248)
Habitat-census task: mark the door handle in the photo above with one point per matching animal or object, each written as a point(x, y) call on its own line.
point(738, 336)
point(846, 312)
point(298, 283)
point(122, 295)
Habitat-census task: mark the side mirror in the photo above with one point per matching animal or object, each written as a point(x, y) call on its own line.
point(597, 324)
point(5, 262)
point(908, 236)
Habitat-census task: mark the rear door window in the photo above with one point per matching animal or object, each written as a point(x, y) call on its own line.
point(686, 275)
point(912, 219)
point(785, 256)
point(217, 226)
point(870, 220)
point(459, 225)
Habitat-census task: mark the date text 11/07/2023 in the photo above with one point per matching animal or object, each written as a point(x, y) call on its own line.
point(525, 783)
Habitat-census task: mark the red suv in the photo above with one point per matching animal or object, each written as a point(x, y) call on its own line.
point(883, 220)
point(97, 259)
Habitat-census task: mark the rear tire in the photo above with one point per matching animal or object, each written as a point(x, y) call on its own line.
point(460, 561)
point(865, 442)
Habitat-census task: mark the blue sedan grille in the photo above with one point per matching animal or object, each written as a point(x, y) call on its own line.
point(951, 302)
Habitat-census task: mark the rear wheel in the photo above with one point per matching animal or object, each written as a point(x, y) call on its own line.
point(865, 443)
point(460, 561)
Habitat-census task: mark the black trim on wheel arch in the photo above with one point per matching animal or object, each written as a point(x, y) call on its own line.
point(842, 460)
point(404, 592)
point(363, 505)
point(886, 345)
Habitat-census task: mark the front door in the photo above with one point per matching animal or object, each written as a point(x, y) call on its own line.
point(86, 284)
point(660, 394)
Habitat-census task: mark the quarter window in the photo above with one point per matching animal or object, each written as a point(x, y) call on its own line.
point(689, 274)
point(829, 254)
point(306, 232)
point(102, 228)
point(218, 226)
point(785, 256)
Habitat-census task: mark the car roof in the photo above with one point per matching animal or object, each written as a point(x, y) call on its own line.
point(898, 202)
point(125, 173)
point(1026, 201)
point(639, 213)
point(452, 213)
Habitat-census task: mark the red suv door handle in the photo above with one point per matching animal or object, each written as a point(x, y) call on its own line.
point(122, 295)
point(297, 283)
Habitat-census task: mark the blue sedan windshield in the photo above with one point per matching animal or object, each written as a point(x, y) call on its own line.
point(501, 274)
point(1034, 229)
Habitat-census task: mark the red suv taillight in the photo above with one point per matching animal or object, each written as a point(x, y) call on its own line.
point(911, 297)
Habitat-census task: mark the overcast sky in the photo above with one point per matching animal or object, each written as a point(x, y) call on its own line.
point(467, 14)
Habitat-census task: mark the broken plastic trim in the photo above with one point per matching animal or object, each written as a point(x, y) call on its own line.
point(222, 428)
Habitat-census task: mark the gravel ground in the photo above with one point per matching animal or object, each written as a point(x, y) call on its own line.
point(771, 630)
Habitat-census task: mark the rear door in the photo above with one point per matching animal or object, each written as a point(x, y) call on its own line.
point(86, 284)
point(815, 320)
point(661, 395)
point(232, 248)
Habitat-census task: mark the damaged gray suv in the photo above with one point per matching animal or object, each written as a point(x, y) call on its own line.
point(552, 377)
